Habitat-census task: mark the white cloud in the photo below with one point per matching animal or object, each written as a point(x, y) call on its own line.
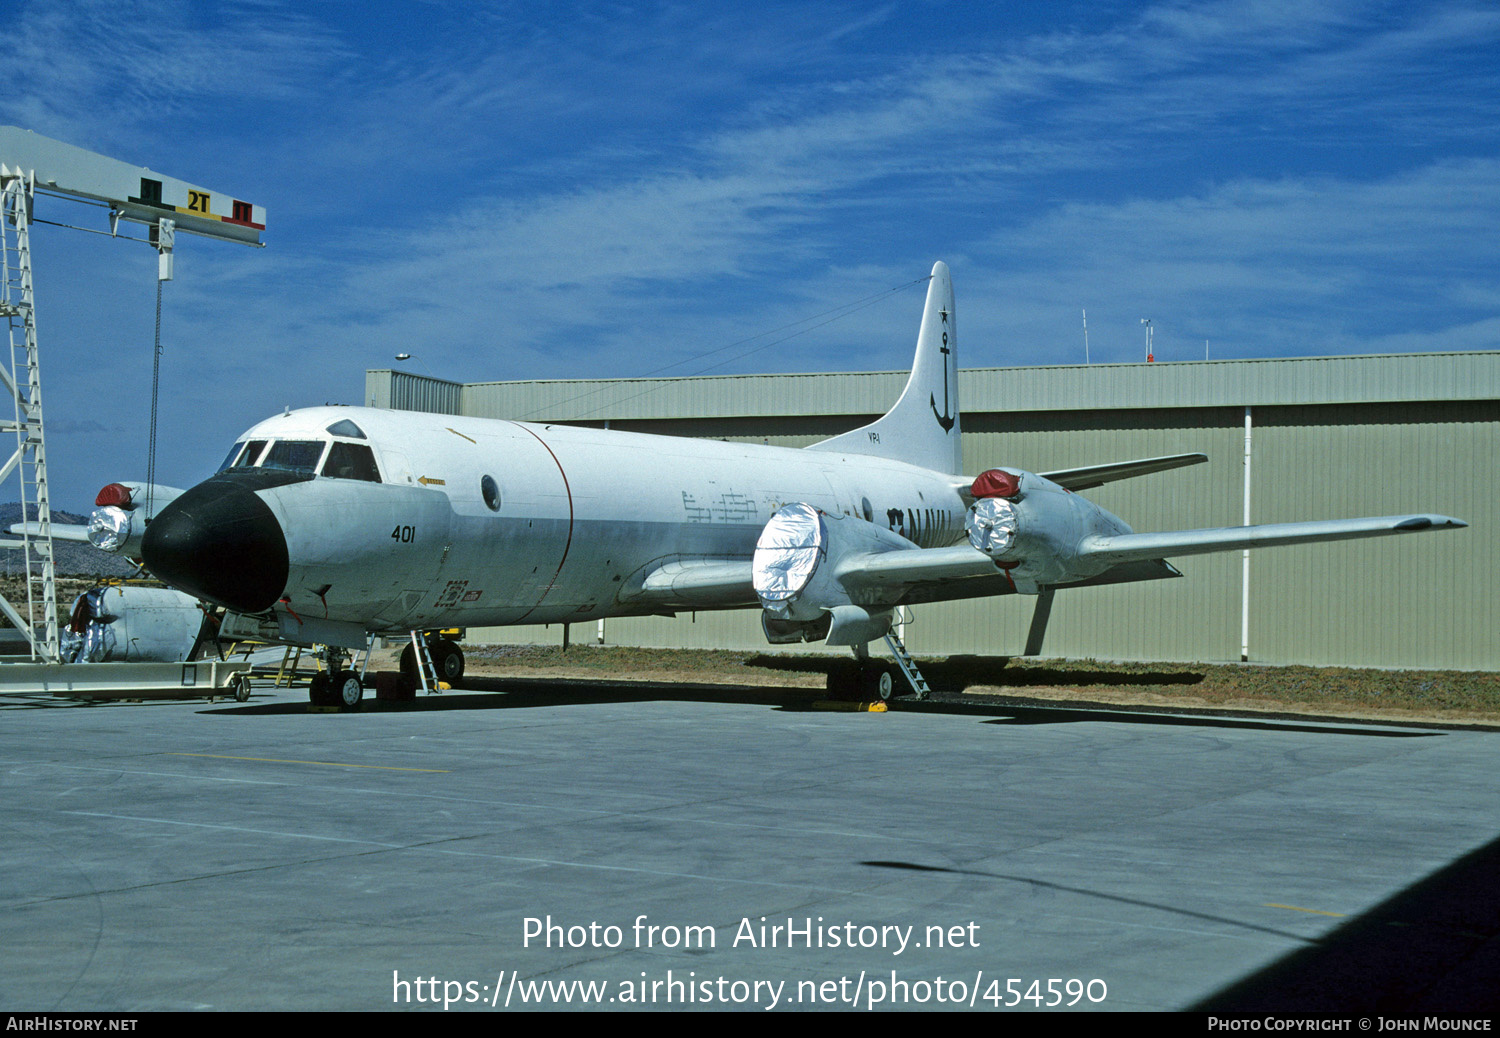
point(96, 72)
point(508, 193)
point(1266, 267)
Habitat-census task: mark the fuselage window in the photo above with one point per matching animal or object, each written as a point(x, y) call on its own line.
point(491, 491)
point(251, 455)
point(229, 458)
point(344, 427)
point(300, 456)
point(351, 461)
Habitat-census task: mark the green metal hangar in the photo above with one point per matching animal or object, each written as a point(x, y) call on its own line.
point(1304, 438)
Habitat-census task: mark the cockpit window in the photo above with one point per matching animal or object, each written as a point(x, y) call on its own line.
point(251, 455)
point(229, 458)
point(344, 427)
point(351, 461)
point(299, 456)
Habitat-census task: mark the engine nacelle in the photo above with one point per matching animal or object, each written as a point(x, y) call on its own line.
point(120, 516)
point(131, 624)
point(795, 575)
point(1032, 528)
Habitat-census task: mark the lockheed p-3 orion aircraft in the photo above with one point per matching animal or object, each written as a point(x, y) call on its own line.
point(332, 524)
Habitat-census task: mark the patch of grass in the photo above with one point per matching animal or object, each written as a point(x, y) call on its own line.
point(1456, 694)
point(607, 659)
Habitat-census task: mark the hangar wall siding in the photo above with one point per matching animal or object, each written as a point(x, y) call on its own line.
point(1330, 437)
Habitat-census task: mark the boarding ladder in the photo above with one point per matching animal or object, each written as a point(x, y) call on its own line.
point(908, 666)
point(427, 673)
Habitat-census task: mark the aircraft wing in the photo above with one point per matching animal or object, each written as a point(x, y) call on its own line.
point(889, 569)
point(1097, 475)
point(948, 574)
point(1130, 547)
point(723, 583)
point(60, 531)
point(882, 579)
point(917, 575)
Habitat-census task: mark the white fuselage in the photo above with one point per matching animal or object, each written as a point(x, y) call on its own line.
point(575, 519)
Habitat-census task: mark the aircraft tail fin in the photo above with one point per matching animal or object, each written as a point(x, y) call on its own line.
point(923, 426)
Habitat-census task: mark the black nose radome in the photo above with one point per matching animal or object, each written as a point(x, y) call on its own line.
point(221, 543)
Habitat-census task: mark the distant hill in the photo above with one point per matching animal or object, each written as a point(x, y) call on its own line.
point(74, 558)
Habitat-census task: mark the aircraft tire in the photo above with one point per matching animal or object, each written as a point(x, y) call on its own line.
point(448, 658)
point(878, 681)
point(346, 690)
point(843, 679)
point(320, 689)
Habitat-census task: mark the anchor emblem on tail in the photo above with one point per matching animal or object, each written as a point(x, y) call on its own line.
point(945, 419)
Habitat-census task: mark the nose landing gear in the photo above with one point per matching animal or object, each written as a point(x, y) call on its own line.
point(339, 686)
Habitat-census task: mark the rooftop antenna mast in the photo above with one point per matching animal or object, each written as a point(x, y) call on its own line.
point(1085, 336)
point(30, 163)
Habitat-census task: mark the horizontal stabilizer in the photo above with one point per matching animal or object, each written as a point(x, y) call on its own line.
point(1134, 546)
point(1098, 475)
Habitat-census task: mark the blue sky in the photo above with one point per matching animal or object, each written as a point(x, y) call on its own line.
point(512, 191)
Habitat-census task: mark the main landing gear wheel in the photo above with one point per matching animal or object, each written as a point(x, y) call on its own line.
point(843, 679)
point(447, 657)
point(320, 689)
point(878, 682)
point(867, 680)
point(347, 690)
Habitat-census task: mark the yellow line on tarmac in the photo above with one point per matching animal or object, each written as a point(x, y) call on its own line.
point(320, 763)
point(1312, 911)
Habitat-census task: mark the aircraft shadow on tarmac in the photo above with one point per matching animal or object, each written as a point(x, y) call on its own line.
point(523, 693)
point(956, 673)
point(49, 701)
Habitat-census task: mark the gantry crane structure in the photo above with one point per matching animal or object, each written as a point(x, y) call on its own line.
point(31, 164)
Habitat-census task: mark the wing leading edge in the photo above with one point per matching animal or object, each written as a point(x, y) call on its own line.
point(882, 579)
point(915, 575)
point(1129, 547)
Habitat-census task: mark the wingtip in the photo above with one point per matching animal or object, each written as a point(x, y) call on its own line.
point(1415, 523)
